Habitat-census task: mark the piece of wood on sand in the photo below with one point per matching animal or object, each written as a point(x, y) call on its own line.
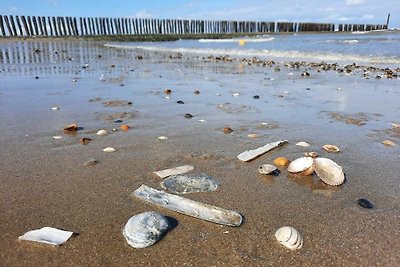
point(188, 207)
point(252, 154)
point(174, 171)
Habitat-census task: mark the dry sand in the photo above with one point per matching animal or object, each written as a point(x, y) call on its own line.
point(44, 183)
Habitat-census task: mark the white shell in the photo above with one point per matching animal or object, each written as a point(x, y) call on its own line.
point(289, 237)
point(57, 137)
point(331, 148)
point(162, 137)
point(55, 108)
point(303, 144)
point(109, 149)
point(300, 165)
point(266, 169)
point(328, 171)
point(202, 121)
point(47, 235)
point(102, 132)
point(252, 154)
point(174, 171)
point(145, 229)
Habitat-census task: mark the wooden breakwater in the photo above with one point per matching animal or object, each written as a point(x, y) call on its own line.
point(21, 26)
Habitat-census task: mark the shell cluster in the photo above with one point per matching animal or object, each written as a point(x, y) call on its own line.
point(289, 237)
point(145, 229)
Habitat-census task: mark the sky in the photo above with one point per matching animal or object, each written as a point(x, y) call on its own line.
point(324, 11)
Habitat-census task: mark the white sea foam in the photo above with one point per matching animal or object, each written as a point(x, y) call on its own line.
point(268, 54)
point(236, 40)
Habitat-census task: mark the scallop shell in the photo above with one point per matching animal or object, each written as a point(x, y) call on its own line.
point(289, 237)
point(102, 132)
point(331, 148)
point(267, 169)
point(145, 229)
point(109, 149)
point(303, 165)
point(281, 162)
point(328, 171)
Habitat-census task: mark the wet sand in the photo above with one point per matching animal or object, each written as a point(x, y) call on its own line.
point(44, 183)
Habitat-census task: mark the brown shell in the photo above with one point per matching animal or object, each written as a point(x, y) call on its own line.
point(71, 128)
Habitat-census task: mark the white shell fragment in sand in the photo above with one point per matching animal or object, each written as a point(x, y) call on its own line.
point(303, 166)
point(109, 149)
point(289, 237)
point(202, 121)
point(145, 229)
point(303, 144)
point(57, 137)
point(102, 132)
point(174, 171)
point(55, 108)
point(236, 94)
point(328, 171)
point(47, 235)
point(389, 143)
point(162, 137)
point(396, 125)
point(252, 154)
point(267, 169)
point(252, 135)
point(189, 207)
point(331, 148)
point(190, 183)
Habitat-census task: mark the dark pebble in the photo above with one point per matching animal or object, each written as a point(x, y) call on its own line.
point(256, 97)
point(37, 77)
point(129, 103)
point(365, 203)
point(188, 116)
point(118, 121)
point(180, 102)
point(197, 92)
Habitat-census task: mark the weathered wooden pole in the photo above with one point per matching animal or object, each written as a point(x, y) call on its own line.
point(387, 21)
point(3, 30)
point(8, 25)
point(13, 26)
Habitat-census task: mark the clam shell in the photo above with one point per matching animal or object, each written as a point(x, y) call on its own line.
point(331, 148)
point(71, 128)
point(328, 171)
point(302, 165)
point(281, 162)
point(190, 183)
point(102, 132)
point(109, 149)
point(303, 144)
point(266, 169)
point(145, 229)
point(289, 237)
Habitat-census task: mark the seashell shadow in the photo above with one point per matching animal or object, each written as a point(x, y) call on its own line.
point(172, 224)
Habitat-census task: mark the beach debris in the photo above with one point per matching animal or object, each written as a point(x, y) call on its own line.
point(312, 154)
point(331, 148)
point(242, 42)
point(365, 203)
point(227, 130)
point(396, 125)
point(124, 127)
point(162, 137)
point(55, 108)
point(303, 144)
point(145, 229)
point(197, 92)
point(305, 74)
point(180, 102)
point(252, 154)
point(57, 137)
point(71, 128)
point(267, 169)
point(190, 183)
point(118, 121)
point(256, 97)
point(174, 171)
point(47, 235)
point(236, 94)
point(202, 121)
point(102, 132)
point(85, 140)
point(302, 166)
point(90, 162)
point(109, 149)
point(188, 116)
point(389, 143)
point(289, 237)
point(252, 135)
point(281, 162)
point(167, 91)
point(328, 171)
point(189, 207)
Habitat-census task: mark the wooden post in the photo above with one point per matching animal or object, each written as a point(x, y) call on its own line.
point(387, 21)
point(39, 22)
point(21, 33)
point(3, 30)
point(35, 26)
point(13, 26)
point(10, 32)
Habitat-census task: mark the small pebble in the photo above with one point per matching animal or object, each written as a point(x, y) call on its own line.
point(188, 116)
point(118, 121)
point(256, 97)
point(197, 92)
point(102, 132)
point(167, 91)
point(85, 140)
point(227, 130)
point(124, 127)
point(180, 102)
point(90, 162)
point(37, 77)
point(365, 203)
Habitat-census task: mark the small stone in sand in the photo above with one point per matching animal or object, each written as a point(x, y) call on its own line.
point(188, 116)
point(167, 91)
point(256, 97)
point(305, 74)
point(118, 121)
point(124, 127)
point(227, 130)
point(396, 125)
point(102, 132)
point(90, 162)
point(71, 128)
point(365, 203)
point(389, 143)
point(197, 92)
point(85, 140)
point(180, 102)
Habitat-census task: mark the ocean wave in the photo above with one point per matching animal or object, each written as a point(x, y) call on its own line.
point(236, 40)
point(268, 54)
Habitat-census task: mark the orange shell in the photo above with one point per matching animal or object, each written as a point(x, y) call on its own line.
point(124, 127)
point(281, 162)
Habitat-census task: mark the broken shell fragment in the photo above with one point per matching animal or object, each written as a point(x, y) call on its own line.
point(303, 166)
point(174, 171)
point(167, 91)
point(267, 169)
point(281, 162)
point(328, 171)
point(331, 148)
point(252, 135)
point(190, 183)
point(145, 229)
point(396, 125)
point(227, 130)
point(55, 108)
point(109, 149)
point(254, 153)
point(124, 127)
point(389, 143)
point(47, 235)
point(289, 237)
point(102, 132)
point(303, 144)
point(57, 137)
point(71, 128)
point(312, 154)
point(162, 137)
point(85, 140)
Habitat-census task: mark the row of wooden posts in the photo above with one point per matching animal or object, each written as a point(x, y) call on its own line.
point(71, 26)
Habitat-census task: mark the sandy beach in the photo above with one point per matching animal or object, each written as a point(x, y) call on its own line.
point(44, 181)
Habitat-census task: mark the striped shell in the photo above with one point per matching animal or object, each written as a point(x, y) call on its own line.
point(328, 171)
point(303, 165)
point(289, 237)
